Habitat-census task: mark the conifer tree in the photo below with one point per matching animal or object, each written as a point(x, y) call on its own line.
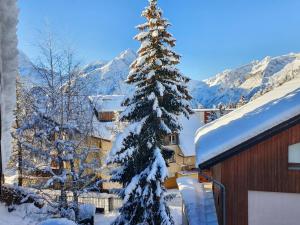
point(152, 111)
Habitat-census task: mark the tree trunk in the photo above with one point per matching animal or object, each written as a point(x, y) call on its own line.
point(20, 165)
point(63, 194)
point(75, 190)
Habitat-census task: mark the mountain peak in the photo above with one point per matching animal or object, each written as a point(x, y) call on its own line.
point(94, 66)
point(127, 55)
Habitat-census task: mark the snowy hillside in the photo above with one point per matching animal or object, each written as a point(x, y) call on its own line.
point(108, 78)
point(250, 80)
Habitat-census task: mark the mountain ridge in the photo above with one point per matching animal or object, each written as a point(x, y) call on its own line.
point(250, 80)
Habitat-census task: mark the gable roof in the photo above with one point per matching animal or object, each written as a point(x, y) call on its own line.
point(249, 121)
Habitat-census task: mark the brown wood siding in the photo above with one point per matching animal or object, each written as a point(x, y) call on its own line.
point(216, 171)
point(206, 116)
point(263, 167)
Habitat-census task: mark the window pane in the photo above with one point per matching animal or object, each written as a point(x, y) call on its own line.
point(294, 153)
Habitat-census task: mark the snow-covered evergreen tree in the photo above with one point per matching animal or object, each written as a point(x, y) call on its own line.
point(160, 97)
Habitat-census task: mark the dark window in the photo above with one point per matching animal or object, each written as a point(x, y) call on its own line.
point(173, 139)
point(106, 116)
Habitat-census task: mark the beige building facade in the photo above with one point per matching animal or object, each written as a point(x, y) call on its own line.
point(181, 145)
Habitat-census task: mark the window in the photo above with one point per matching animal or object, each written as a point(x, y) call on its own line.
point(294, 156)
point(106, 116)
point(173, 139)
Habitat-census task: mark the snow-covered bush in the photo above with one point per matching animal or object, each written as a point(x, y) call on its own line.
point(15, 195)
point(58, 221)
point(86, 214)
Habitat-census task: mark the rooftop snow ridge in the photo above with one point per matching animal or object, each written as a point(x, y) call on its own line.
point(107, 103)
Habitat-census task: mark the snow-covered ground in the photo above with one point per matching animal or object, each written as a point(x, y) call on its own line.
point(27, 214)
point(175, 207)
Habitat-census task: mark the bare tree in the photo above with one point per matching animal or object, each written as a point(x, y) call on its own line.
point(55, 135)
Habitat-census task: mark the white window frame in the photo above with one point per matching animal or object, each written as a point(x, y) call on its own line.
point(173, 139)
point(294, 156)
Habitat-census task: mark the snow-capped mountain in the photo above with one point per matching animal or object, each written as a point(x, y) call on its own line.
point(251, 80)
point(109, 77)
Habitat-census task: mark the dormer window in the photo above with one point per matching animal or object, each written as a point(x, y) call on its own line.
point(171, 139)
point(294, 156)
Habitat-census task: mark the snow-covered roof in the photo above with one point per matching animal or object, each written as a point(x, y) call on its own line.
point(250, 120)
point(187, 134)
point(198, 200)
point(107, 130)
point(107, 103)
point(104, 130)
point(112, 103)
point(211, 109)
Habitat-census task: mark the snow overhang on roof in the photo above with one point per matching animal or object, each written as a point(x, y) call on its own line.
point(252, 119)
point(104, 130)
point(187, 134)
point(211, 109)
point(108, 103)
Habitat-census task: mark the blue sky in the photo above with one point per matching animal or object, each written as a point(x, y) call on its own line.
point(212, 35)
